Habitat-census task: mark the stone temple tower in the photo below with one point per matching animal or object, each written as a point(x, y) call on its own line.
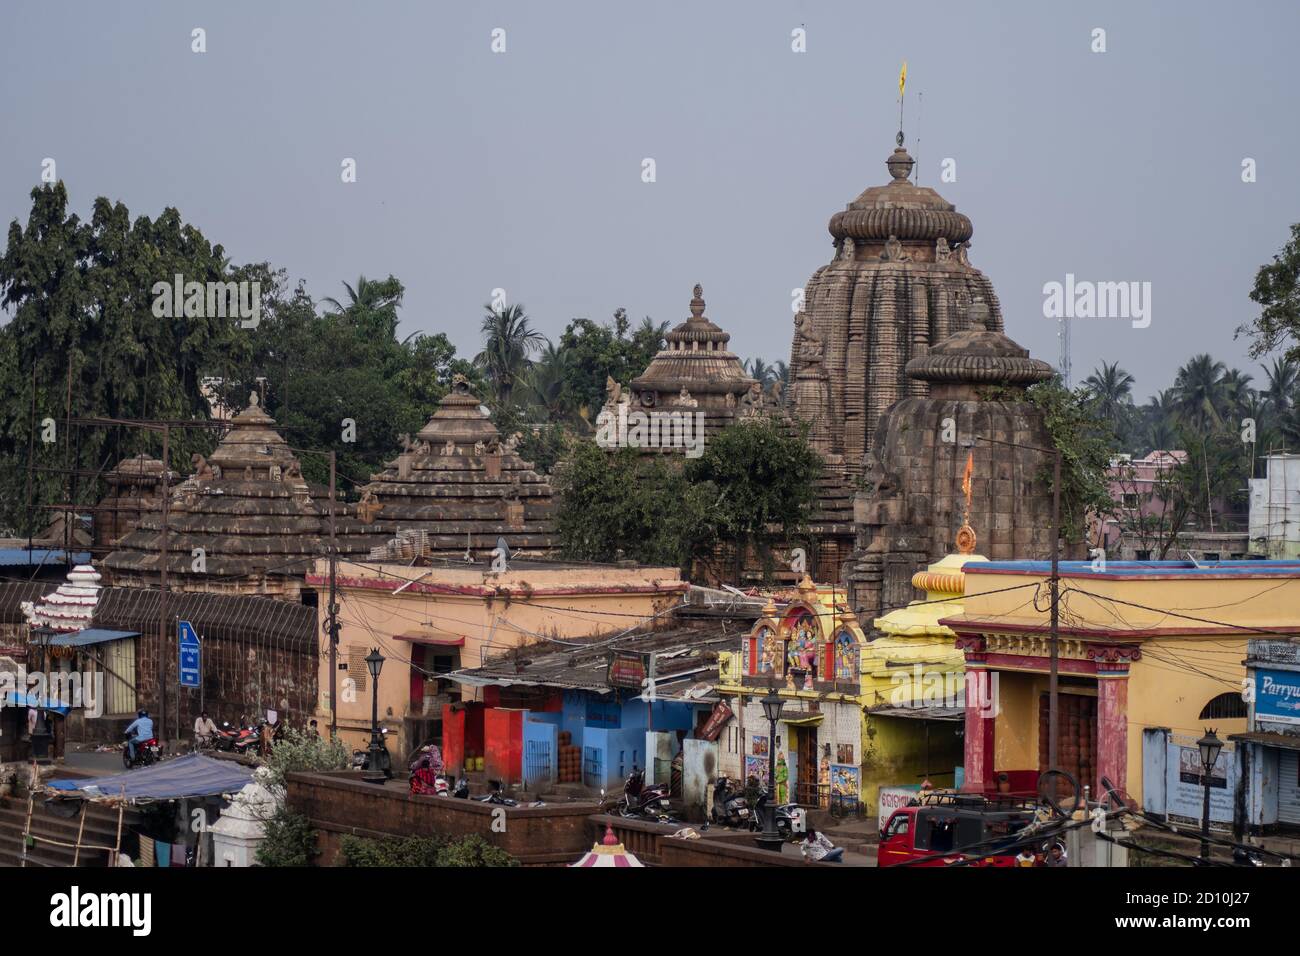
point(900, 281)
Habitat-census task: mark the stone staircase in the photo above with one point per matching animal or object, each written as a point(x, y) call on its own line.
point(100, 830)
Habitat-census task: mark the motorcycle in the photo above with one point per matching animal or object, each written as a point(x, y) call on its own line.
point(462, 789)
point(790, 817)
point(730, 808)
point(147, 752)
point(361, 758)
point(649, 803)
point(496, 796)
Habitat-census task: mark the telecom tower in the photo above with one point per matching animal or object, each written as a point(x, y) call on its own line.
point(1063, 335)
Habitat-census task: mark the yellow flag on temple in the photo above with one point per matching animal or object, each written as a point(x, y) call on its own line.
point(902, 78)
point(965, 478)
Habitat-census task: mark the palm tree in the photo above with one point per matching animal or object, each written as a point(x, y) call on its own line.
point(508, 344)
point(758, 370)
point(1111, 389)
point(781, 373)
point(372, 303)
point(1237, 395)
point(1158, 415)
point(651, 331)
point(1199, 393)
point(545, 381)
point(1282, 376)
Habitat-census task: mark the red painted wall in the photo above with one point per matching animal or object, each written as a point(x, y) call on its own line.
point(503, 732)
point(453, 739)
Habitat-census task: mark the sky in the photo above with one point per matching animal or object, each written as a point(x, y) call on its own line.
point(522, 170)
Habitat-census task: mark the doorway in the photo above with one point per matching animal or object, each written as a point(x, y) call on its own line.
point(806, 776)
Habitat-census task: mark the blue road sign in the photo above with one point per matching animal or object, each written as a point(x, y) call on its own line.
point(189, 649)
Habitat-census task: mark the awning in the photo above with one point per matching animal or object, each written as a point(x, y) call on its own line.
point(1284, 741)
point(89, 635)
point(919, 713)
point(16, 698)
point(194, 775)
point(811, 720)
point(432, 638)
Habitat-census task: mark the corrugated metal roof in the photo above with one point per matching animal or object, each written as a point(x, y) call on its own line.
point(22, 557)
point(686, 661)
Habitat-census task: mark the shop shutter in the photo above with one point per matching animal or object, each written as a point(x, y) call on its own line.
point(1288, 790)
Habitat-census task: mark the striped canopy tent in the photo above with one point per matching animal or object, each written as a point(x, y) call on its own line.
point(608, 852)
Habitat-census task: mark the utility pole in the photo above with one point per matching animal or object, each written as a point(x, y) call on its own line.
point(333, 612)
point(162, 597)
point(1054, 666)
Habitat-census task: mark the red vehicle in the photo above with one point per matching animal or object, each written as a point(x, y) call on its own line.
point(933, 831)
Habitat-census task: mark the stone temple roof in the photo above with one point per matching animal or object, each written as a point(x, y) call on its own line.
point(902, 210)
point(459, 486)
point(978, 355)
point(246, 507)
point(696, 358)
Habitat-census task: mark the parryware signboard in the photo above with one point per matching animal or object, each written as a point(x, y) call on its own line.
point(1277, 696)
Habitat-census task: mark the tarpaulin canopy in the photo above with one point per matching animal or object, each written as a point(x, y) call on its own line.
point(16, 698)
point(194, 775)
point(90, 635)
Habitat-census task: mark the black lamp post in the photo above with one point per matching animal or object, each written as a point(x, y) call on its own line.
point(1210, 746)
point(375, 772)
point(770, 839)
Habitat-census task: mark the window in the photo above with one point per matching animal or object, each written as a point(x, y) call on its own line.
point(356, 668)
point(1144, 555)
point(1224, 707)
point(899, 826)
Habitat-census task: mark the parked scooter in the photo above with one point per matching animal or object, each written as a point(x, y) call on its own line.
point(730, 808)
point(147, 752)
point(361, 758)
point(462, 789)
point(496, 796)
point(649, 803)
point(790, 817)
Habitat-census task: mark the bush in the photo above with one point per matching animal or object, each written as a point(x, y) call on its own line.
point(289, 840)
point(421, 851)
point(304, 751)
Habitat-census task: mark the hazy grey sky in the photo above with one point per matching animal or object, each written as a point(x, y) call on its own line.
point(522, 170)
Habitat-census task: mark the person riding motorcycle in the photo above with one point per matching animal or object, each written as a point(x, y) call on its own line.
point(138, 731)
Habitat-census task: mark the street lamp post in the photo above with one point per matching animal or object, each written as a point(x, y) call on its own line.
point(1210, 746)
point(770, 839)
point(375, 772)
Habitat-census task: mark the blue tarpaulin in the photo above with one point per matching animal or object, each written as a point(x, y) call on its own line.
point(193, 775)
point(16, 698)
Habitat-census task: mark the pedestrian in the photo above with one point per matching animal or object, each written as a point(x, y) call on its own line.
point(204, 730)
point(1026, 857)
point(1056, 856)
point(817, 846)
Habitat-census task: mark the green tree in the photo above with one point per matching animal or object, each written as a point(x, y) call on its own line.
point(1277, 291)
point(82, 296)
point(1086, 446)
point(765, 475)
point(1200, 399)
point(599, 351)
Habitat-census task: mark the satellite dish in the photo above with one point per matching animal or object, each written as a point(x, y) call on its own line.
point(484, 411)
point(503, 547)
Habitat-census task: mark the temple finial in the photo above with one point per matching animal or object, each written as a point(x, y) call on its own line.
point(697, 303)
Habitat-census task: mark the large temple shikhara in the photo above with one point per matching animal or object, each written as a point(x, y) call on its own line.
point(900, 281)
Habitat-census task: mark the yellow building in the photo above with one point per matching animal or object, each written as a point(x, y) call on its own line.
point(1149, 652)
point(860, 714)
point(430, 621)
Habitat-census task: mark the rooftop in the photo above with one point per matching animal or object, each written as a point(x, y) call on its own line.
point(1144, 569)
